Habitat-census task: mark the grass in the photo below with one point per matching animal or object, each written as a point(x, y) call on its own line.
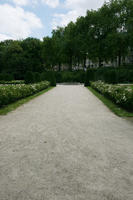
point(8, 108)
point(113, 107)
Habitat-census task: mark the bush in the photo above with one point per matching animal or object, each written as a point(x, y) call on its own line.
point(15, 82)
point(29, 78)
point(12, 93)
point(121, 95)
point(49, 76)
point(72, 77)
point(6, 77)
point(37, 77)
point(90, 76)
point(43, 76)
point(52, 79)
point(58, 76)
point(110, 76)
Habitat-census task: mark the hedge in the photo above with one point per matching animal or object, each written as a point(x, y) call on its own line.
point(15, 82)
point(119, 94)
point(110, 75)
point(12, 93)
point(67, 76)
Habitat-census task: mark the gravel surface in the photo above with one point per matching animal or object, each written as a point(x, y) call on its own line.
point(65, 145)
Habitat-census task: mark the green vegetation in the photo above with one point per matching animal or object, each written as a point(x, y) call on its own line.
point(90, 76)
point(110, 75)
point(8, 108)
point(101, 36)
point(14, 82)
point(29, 78)
point(112, 106)
point(123, 96)
point(67, 76)
point(12, 93)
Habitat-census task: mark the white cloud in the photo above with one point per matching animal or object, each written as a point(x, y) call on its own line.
point(15, 23)
point(84, 4)
point(5, 37)
point(21, 2)
point(51, 3)
point(64, 19)
point(75, 9)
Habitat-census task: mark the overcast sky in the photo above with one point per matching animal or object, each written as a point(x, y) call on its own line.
point(36, 18)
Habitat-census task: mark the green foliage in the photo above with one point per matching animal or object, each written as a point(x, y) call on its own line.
point(112, 106)
point(67, 76)
point(29, 78)
point(10, 107)
point(49, 76)
point(110, 75)
point(121, 95)
point(6, 77)
point(37, 77)
point(15, 82)
point(90, 76)
point(52, 79)
point(102, 36)
point(12, 93)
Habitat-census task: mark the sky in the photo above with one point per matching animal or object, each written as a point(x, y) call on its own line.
point(20, 19)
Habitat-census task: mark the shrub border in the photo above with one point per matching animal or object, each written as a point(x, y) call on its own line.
point(113, 107)
point(10, 107)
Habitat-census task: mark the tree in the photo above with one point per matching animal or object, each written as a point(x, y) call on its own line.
point(58, 41)
point(32, 54)
point(48, 53)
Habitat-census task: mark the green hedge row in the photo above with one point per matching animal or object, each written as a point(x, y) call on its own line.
point(6, 77)
point(119, 94)
point(36, 77)
point(30, 77)
point(67, 76)
point(12, 93)
point(110, 75)
point(15, 82)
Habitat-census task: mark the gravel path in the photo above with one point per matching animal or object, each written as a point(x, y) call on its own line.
point(65, 145)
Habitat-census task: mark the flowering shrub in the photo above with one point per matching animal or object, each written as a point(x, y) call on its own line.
point(12, 82)
point(121, 95)
point(12, 93)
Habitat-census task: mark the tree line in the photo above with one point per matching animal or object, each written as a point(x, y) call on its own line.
point(102, 35)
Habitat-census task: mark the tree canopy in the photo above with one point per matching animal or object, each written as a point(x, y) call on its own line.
point(102, 35)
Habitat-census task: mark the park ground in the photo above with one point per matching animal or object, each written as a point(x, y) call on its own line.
point(65, 145)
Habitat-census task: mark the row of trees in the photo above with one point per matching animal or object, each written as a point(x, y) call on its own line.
point(101, 35)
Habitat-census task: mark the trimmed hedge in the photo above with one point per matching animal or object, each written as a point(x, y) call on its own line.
point(67, 76)
point(15, 82)
point(90, 76)
point(12, 93)
point(111, 75)
point(6, 77)
point(29, 77)
point(49, 76)
point(119, 94)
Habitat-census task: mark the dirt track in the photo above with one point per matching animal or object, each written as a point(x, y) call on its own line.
point(65, 145)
